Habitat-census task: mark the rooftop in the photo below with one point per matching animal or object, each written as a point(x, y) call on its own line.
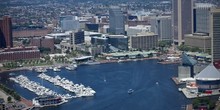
point(209, 73)
point(188, 60)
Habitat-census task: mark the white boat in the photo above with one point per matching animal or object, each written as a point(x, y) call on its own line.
point(71, 67)
point(91, 62)
point(79, 89)
point(130, 91)
point(50, 68)
point(40, 70)
point(48, 100)
point(56, 69)
point(119, 61)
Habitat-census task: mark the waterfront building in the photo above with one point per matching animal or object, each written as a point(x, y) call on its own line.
point(77, 37)
point(6, 32)
point(183, 72)
point(99, 43)
point(199, 67)
point(45, 42)
point(200, 40)
point(143, 41)
point(208, 79)
point(181, 19)
point(19, 53)
point(187, 61)
point(96, 50)
point(116, 21)
point(161, 25)
point(215, 33)
point(201, 14)
point(118, 41)
point(68, 23)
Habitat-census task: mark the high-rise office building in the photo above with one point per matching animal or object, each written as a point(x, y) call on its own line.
point(161, 25)
point(68, 23)
point(6, 32)
point(215, 33)
point(201, 18)
point(116, 21)
point(77, 37)
point(181, 19)
point(143, 41)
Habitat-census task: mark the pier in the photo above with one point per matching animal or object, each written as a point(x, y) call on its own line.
point(79, 89)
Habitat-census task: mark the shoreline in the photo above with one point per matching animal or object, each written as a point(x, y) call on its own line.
point(101, 62)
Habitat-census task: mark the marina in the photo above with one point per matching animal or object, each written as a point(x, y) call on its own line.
point(111, 83)
point(36, 87)
point(79, 89)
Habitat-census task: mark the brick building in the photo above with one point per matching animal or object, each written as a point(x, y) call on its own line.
point(6, 32)
point(19, 53)
point(46, 42)
point(31, 32)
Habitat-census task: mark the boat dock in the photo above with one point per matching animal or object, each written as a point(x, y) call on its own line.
point(168, 62)
point(36, 87)
point(28, 103)
point(79, 89)
point(195, 95)
point(176, 81)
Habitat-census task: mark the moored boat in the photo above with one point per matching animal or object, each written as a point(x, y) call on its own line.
point(91, 62)
point(56, 69)
point(71, 67)
point(48, 100)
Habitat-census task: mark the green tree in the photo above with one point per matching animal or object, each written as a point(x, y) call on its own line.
point(44, 50)
point(195, 49)
point(9, 99)
point(183, 48)
point(26, 42)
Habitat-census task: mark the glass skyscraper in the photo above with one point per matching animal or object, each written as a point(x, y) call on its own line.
point(116, 21)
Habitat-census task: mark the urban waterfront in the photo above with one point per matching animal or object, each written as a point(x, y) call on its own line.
point(151, 82)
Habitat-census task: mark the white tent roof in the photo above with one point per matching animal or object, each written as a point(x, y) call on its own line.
point(209, 73)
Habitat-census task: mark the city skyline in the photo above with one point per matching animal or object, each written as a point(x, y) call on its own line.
point(110, 55)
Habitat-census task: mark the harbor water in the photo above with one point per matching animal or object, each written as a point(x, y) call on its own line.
point(151, 82)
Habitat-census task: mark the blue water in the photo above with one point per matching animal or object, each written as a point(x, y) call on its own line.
point(112, 94)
